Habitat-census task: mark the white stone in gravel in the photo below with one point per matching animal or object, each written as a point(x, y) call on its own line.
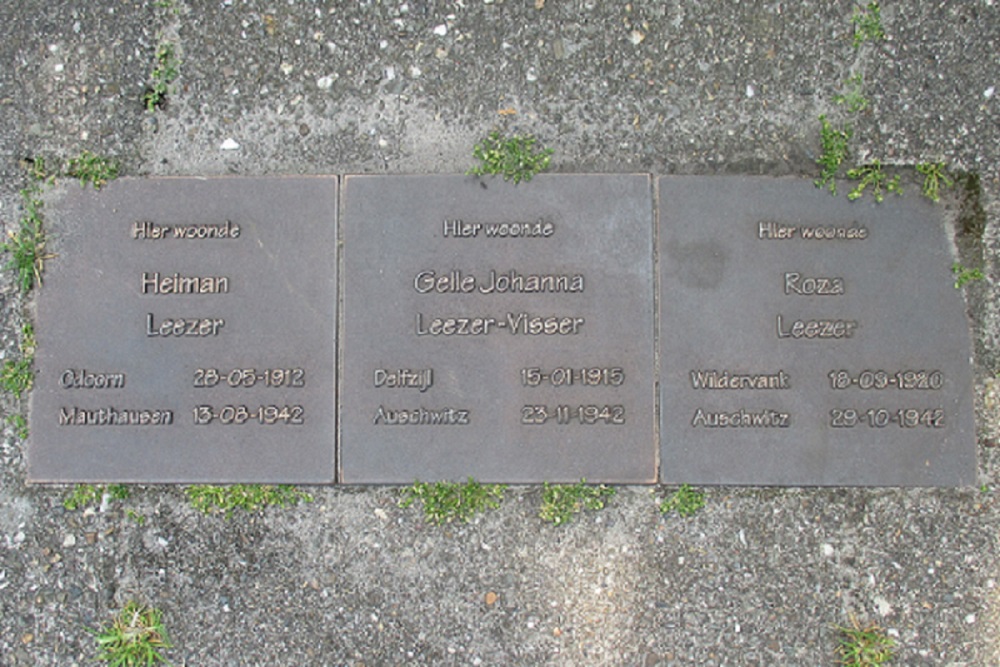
point(882, 606)
point(69, 541)
point(229, 145)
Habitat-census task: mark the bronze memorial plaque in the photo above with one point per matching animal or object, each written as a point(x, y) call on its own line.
point(186, 333)
point(809, 340)
point(498, 331)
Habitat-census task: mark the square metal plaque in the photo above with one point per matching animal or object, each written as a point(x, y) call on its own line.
point(809, 340)
point(186, 333)
point(497, 331)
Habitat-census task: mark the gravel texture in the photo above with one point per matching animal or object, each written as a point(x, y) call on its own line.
point(758, 577)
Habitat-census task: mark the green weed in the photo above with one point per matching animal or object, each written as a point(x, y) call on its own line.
point(511, 157)
point(84, 495)
point(27, 246)
point(166, 67)
point(852, 96)
point(560, 502)
point(445, 502)
point(93, 169)
point(868, 24)
point(963, 276)
point(18, 375)
point(20, 425)
point(134, 638)
point(935, 175)
point(685, 500)
point(833, 152)
point(873, 176)
point(867, 646)
point(248, 497)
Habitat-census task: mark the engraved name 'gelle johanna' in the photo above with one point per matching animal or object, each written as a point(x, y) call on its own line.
point(497, 282)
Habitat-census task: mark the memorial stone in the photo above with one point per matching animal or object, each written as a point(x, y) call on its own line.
point(809, 340)
point(497, 331)
point(186, 333)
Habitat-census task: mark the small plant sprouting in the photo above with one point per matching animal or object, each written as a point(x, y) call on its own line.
point(512, 157)
point(963, 276)
point(93, 169)
point(935, 175)
point(17, 375)
point(84, 495)
point(833, 145)
point(20, 425)
point(868, 24)
point(864, 646)
point(166, 67)
point(685, 500)
point(135, 638)
point(27, 245)
point(852, 96)
point(872, 175)
point(248, 497)
point(445, 502)
point(561, 501)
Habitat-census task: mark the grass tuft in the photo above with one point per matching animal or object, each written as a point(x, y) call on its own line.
point(561, 502)
point(864, 646)
point(685, 500)
point(247, 497)
point(833, 152)
point(853, 97)
point(84, 495)
point(445, 502)
point(511, 157)
point(873, 176)
point(868, 24)
point(92, 169)
point(964, 276)
point(166, 67)
point(134, 638)
point(935, 175)
point(18, 375)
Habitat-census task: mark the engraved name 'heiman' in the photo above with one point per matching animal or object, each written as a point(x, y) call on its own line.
point(150, 231)
point(742, 418)
point(421, 417)
point(776, 231)
point(497, 282)
point(155, 283)
point(725, 380)
point(404, 378)
point(111, 416)
point(520, 323)
point(76, 378)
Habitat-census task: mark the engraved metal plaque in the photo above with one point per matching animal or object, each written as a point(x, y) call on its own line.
point(809, 340)
point(497, 331)
point(186, 333)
